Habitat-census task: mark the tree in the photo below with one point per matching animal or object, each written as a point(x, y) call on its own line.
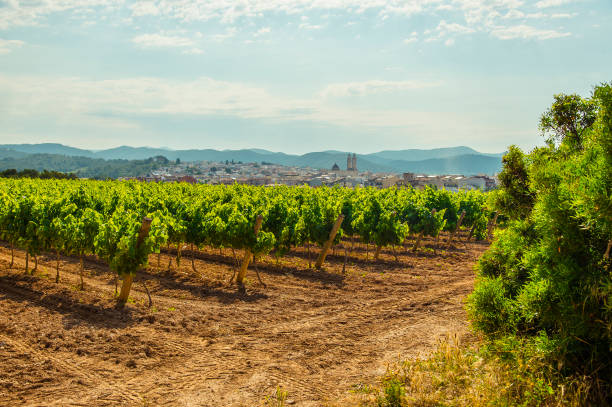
point(545, 282)
point(514, 197)
point(567, 120)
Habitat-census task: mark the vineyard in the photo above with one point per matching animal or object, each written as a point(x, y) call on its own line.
point(394, 267)
point(123, 222)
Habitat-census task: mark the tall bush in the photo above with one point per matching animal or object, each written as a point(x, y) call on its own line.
point(545, 279)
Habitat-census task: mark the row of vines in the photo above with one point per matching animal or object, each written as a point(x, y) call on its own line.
point(124, 222)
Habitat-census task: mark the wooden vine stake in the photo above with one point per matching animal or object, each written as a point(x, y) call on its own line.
point(248, 256)
point(377, 252)
point(607, 253)
point(330, 241)
point(129, 278)
point(452, 235)
point(418, 242)
point(492, 225)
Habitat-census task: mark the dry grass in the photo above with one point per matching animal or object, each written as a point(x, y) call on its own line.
point(464, 375)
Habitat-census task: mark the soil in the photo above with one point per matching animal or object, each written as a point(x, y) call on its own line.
point(316, 334)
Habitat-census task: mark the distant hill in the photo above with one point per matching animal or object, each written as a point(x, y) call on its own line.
point(467, 164)
point(457, 160)
point(81, 166)
point(419, 155)
point(47, 148)
point(7, 153)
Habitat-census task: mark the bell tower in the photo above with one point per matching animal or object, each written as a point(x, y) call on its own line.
point(354, 162)
point(349, 163)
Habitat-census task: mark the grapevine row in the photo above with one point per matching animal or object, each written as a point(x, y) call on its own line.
point(105, 218)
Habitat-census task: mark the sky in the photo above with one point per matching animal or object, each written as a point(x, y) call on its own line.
point(295, 75)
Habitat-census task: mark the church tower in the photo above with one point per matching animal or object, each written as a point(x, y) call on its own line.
point(354, 162)
point(349, 163)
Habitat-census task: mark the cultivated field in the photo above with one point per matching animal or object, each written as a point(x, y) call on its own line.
point(314, 333)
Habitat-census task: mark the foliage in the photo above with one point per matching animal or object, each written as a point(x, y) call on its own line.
point(79, 217)
point(544, 283)
point(29, 173)
point(514, 197)
point(567, 119)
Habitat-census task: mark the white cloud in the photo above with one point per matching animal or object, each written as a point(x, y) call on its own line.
point(372, 87)
point(552, 3)
point(193, 51)
point(262, 31)
point(526, 32)
point(308, 26)
point(7, 46)
point(475, 15)
point(454, 28)
point(564, 15)
point(76, 99)
point(162, 41)
point(538, 15)
point(229, 33)
point(513, 14)
point(445, 29)
point(144, 8)
point(450, 42)
point(32, 13)
point(413, 38)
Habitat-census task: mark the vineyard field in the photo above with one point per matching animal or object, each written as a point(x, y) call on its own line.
point(135, 285)
point(314, 333)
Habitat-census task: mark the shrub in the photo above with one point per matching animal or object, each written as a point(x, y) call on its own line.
point(544, 284)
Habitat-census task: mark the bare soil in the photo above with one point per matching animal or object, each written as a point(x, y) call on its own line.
point(317, 334)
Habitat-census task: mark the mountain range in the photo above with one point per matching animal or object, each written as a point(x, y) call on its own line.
point(452, 160)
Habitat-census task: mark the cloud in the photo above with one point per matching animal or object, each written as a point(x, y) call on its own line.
point(229, 33)
point(193, 51)
point(144, 8)
point(468, 15)
point(76, 100)
point(162, 41)
point(513, 14)
point(445, 27)
point(413, 38)
point(526, 32)
point(7, 46)
point(308, 26)
point(564, 15)
point(262, 31)
point(350, 89)
point(32, 13)
point(552, 3)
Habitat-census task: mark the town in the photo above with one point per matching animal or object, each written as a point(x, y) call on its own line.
point(269, 174)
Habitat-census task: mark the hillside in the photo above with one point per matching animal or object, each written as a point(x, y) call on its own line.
point(82, 166)
point(455, 160)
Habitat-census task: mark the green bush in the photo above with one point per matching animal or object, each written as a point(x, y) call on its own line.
point(544, 283)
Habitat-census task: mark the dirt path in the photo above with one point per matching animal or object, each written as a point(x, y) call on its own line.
point(315, 333)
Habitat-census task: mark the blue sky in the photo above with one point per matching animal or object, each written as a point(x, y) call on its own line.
point(293, 75)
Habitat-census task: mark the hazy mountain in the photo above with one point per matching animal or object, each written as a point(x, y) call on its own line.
point(82, 166)
point(7, 153)
point(47, 148)
point(467, 164)
point(131, 153)
point(419, 155)
point(458, 160)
